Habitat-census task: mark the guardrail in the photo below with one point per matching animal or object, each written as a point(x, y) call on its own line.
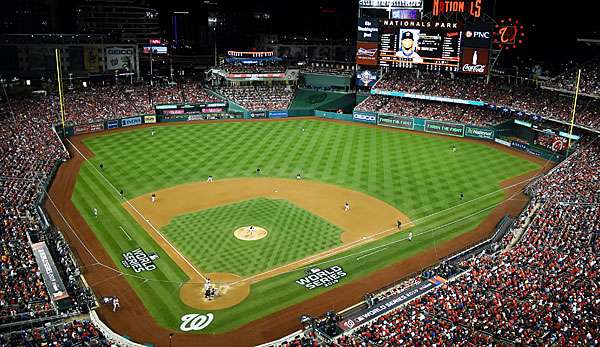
point(111, 335)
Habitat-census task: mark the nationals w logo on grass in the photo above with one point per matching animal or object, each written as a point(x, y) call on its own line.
point(316, 277)
point(139, 261)
point(195, 321)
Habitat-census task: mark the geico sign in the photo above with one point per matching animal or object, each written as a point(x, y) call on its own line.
point(473, 68)
point(366, 117)
point(477, 34)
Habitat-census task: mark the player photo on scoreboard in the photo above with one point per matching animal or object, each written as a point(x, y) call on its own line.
point(409, 44)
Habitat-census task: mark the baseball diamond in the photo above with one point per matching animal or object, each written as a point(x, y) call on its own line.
point(298, 174)
point(384, 173)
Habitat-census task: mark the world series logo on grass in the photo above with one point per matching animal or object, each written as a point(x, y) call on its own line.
point(139, 261)
point(316, 277)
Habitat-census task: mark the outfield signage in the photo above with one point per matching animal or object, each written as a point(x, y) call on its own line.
point(444, 128)
point(139, 261)
point(48, 270)
point(88, 128)
point(316, 277)
point(479, 133)
point(127, 122)
point(196, 117)
point(112, 124)
point(364, 117)
point(278, 114)
point(502, 142)
point(173, 118)
point(393, 121)
point(149, 119)
point(260, 114)
point(519, 145)
point(367, 314)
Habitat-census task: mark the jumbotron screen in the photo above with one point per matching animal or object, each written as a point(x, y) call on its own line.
point(403, 43)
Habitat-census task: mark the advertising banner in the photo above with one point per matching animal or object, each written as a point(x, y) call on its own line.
point(258, 114)
point(112, 124)
point(196, 117)
point(127, 122)
point(444, 128)
point(364, 117)
point(256, 75)
point(475, 61)
point(519, 145)
point(479, 133)
point(477, 35)
point(368, 29)
point(278, 114)
point(118, 58)
point(48, 270)
point(88, 128)
point(367, 314)
point(149, 119)
point(92, 59)
point(173, 118)
point(377, 91)
point(366, 53)
point(396, 121)
point(213, 110)
point(366, 78)
point(502, 142)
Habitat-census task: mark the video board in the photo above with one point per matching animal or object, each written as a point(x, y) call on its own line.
point(433, 44)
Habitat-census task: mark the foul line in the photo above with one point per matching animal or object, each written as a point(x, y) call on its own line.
point(129, 237)
point(139, 213)
point(366, 255)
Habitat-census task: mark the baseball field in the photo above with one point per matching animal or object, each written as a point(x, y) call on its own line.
point(166, 249)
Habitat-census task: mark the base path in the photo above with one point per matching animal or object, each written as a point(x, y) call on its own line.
point(367, 220)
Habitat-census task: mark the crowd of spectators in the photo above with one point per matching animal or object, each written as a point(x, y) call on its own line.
point(69, 334)
point(259, 97)
point(523, 97)
point(589, 82)
point(443, 111)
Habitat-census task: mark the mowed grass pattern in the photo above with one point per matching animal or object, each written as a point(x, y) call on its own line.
point(293, 233)
point(418, 174)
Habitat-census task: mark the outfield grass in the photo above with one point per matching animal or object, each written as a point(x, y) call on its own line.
point(206, 237)
point(416, 173)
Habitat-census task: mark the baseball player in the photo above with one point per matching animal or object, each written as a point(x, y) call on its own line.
point(116, 304)
point(252, 230)
point(399, 223)
point(453, 148)
point(209, 179)
point(410, 235)
point(152, 133)
point(153, 197)
point(346, 206)
point(298, 177)
point(95, 212)
point(207, 288)
point(461, 196)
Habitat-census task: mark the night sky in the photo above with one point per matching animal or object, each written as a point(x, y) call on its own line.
point(552, 28)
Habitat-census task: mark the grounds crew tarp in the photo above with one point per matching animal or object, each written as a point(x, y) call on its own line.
point(51, 277)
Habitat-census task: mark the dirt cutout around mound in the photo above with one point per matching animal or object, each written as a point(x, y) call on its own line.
point(250, 234)
point(367, 219)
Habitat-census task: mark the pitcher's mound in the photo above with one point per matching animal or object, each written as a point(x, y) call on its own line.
point(244, 233)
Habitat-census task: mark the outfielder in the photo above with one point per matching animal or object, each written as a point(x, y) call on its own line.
point(95, 212)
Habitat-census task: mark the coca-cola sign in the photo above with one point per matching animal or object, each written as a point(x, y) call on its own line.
point(474, 61)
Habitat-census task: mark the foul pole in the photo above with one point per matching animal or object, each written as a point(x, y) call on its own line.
point(574, 107)
point(60, 88)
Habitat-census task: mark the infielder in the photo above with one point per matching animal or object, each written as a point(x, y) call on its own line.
point(209, 179)
point(116, 304)
point(346, 206)
point(153, 197)
point(410, 235)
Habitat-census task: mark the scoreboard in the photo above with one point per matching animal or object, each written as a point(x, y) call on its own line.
point(405, 43)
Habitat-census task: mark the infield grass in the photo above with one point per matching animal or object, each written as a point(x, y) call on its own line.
point(417, 173)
